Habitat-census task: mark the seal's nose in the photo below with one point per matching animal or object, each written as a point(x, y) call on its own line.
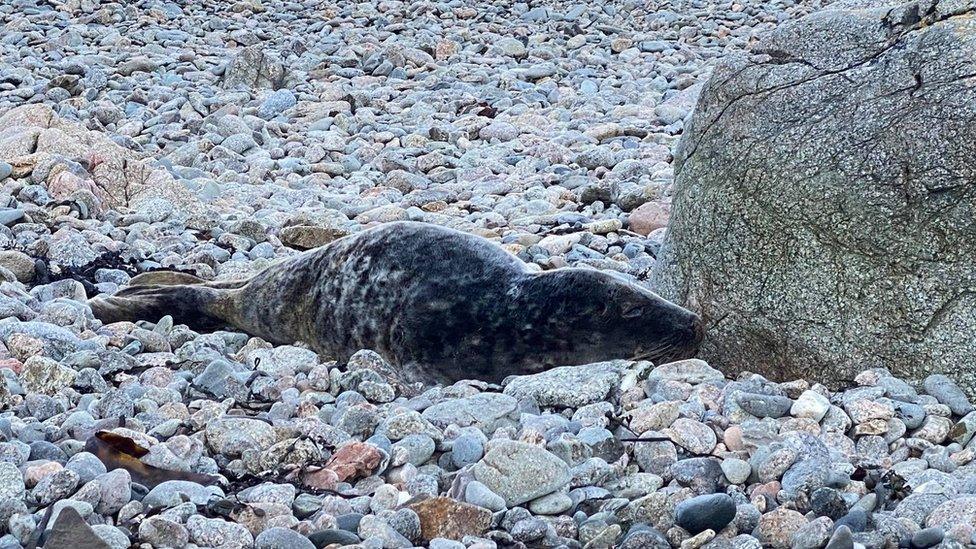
point(697, 331)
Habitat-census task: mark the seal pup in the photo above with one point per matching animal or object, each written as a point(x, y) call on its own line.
point(439, 304)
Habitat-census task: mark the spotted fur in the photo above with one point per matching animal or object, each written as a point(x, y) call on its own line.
point(440, 304)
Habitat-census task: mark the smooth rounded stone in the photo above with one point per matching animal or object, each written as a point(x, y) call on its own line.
point(928, 537)
point(282, 538)
point(569, 386)
point(842, 538)
point(597, 157)
point(654, 417)
point(708, 512)
point(161, 531)
point(9, 217)
point(856, 520)
point(11, 482)
point(115, 538)
point(777, 527)
point(83, 508)
point(442, 543)
point(520, 472)
point(912, 415)
point(173, 492)
point(481, 410)
point(694, 436)
point(47, 451)
point(642, 536)
point(529, 530)
point(656, 457)
point(813, 535)
point(919, 504)
point(324, 538)
point(964, 429)
point(827, 502)
point(810, 404)
point(5, 170)
point(373, 526)
point(466, 449)
point(407, 522)
point(207, 532)
point(694, 371)
point(764, 405)
point(115, 490)
point(703, 475)
point(478, 494)
point(552, 504)
point(270, 493)
point(961, 510)
point(498, 131)
point(737, 471)
point(18, 263)
point(947, 392)
point(86, 465)
point(231, 436)
point(934, 429)
point(276, 103)
point(306, 505)
point(46, 376)
point(415, 449)
point(349, 521)
point(239, 143)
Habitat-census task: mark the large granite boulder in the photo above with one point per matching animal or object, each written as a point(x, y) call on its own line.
point(34, 135)
point(823, 221)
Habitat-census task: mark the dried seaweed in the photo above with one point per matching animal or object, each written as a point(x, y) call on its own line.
point(120, 452)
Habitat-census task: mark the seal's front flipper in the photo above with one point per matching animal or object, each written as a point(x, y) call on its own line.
point(196, 306)
point(176, 278)
point(165, 278)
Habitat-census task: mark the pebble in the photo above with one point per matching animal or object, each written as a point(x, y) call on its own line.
point(282, 538)
point(737, 471)
point(478, 494)
point(810, 405)
point(11, 481)
point(174, 492)
point(947, 392)
point(520, 472)
point(710, 512)
point(928, 537)
point(324, 538)
point(841, 539)
point(764, 405)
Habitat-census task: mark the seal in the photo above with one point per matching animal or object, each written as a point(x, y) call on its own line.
point(439, 304)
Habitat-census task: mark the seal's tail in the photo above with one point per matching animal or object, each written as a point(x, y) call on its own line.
point(198, 306)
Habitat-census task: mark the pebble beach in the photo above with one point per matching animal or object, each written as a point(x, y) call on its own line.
point(216, 138)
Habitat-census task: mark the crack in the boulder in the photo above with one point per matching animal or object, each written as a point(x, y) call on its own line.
point(940, 314)
point(777, 57)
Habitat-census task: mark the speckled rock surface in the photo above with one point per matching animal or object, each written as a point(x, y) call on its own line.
point(818, 229)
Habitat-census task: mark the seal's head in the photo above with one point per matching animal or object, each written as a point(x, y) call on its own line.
point(603, 316)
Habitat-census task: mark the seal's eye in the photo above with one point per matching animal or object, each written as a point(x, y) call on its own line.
point(633, 312)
